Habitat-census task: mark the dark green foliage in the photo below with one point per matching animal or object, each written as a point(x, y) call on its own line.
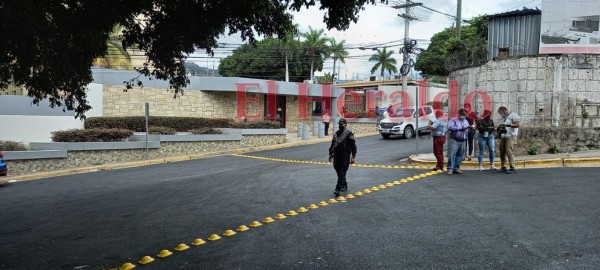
point(257, 125)
point(162, 130)
point(12, 146)
point(91, 135)
point(181, 124)
point(50, 46)
point(202, 131)
point(138, 123)
point(266, 60)
point(446, 52)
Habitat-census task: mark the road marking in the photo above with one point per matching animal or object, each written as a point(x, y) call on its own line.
point(312, 162)
point(165, 253)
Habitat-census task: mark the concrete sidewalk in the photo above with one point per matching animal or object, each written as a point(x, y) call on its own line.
point(584, 158)
point(291, 141)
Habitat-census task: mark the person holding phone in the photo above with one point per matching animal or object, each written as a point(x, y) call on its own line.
point(458, 135)
point(485, 126)
point(508, 132)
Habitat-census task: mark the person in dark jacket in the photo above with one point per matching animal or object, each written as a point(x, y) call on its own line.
point(343, 153)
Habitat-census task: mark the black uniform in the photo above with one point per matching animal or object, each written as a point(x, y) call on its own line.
point(342, 147)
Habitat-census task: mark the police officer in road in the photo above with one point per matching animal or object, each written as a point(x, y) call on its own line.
point(343, 153)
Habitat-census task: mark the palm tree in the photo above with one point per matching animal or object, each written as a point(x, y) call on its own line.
point(337, 52)
point(316, 45)
point(116, 56)
point(383, 59)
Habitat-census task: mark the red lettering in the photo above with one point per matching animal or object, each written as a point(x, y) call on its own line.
point(242, 100)
point(487, 100)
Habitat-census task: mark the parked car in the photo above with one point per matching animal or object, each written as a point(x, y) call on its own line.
point(403, 123)
point(3, 166)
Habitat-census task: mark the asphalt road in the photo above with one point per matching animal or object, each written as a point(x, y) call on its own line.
point(535, 219)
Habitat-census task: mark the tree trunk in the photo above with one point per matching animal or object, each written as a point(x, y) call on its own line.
point(382, 69)
point(333, 73)
point(287, 71)
point(312, 63)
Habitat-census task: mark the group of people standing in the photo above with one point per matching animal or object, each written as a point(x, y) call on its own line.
point(462, 130)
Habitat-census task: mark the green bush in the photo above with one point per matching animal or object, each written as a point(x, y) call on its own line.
point(12, 146)
point(533, 150)
point(138, 123)
point(91, 135)
point(256, 124)
point(162, 130)
point(205, 131)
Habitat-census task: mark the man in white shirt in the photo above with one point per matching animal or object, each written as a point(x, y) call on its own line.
point(508, 132)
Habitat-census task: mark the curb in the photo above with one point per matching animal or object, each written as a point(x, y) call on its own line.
point(535, 163)
point(141, 163)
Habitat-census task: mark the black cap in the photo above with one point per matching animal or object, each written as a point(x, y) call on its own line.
point(342, 121)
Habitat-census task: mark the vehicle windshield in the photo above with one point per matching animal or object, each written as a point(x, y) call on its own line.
point(406, 112)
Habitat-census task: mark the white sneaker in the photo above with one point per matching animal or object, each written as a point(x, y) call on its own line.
point(493, 168)
point(480, 168)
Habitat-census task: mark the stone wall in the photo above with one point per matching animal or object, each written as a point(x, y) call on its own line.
point(77, 159)
point(544, 90)
point(193, 103)
point(565, 140)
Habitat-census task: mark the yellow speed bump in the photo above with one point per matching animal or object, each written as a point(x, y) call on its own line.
point(213, 237)
point(341, 199)
point(350, 196)
point(127, 266)
point(403, 180)
point(389, 185)
point(146, 260)
point(242, 228)
point(268, 220)
point(302, 210)
point(280, 216)
point(422, 175)
point(229, 233)
point(164, 253)
point(313, 206)
point(358, 193)
point(410, 179)
point(255, 224)
point(416, 177)
point(198, 242)
point(331, 201)
point(374, 189)
point(381, 187)
point(181, 247)
point(366, 191)
point(396, 182)
point(291, 213)
point(410, 167)
point(323, 203)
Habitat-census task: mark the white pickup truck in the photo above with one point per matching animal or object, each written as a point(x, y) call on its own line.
point(403, 123)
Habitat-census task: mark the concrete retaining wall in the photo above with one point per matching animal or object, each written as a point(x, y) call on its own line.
point(82, 156)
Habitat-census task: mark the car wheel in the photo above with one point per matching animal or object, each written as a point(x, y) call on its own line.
point(409, 132)
point(385, 136)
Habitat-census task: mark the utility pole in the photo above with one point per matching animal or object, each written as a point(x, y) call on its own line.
point(407, 18)
point(458, 17)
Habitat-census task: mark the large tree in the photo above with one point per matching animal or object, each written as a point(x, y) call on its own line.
point(385, 60)
point(446, 52)
point(49, 46)
point(266, 59)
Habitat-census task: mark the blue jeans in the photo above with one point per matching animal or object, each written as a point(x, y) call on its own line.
point(483, 142)
point(456, 152)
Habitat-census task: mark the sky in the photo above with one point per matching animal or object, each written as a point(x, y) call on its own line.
point(380, 24)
